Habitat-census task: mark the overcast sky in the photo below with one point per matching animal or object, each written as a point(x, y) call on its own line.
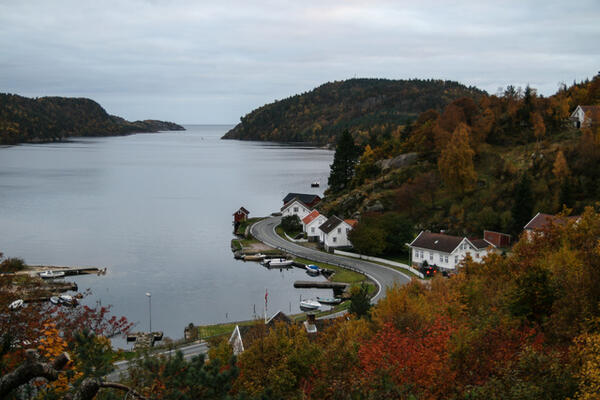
point(213, 61)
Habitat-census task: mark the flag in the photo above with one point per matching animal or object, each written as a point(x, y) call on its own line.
point(266, 296)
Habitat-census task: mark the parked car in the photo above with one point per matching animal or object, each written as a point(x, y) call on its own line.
point(429, 270)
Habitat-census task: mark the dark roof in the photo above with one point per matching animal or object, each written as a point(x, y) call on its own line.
point(330, 224)
point(436, 241)
point(480, 243)
point(289, 203)
point(243, 210)
point(592, 110)
point(543, 220)
point(303, 197)
point(279, 317)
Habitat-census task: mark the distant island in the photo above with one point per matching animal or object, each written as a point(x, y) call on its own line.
point(363, 106)
point(49, 119)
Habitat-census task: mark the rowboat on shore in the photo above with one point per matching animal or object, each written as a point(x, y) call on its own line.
point(49, 274)
point(254, 257)
point(16, 304)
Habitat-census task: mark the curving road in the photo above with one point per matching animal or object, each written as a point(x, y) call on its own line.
point(384, 277)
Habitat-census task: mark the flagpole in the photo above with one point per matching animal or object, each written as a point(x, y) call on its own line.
point(266, 297)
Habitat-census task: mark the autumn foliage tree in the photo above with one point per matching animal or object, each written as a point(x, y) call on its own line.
point(456, 161)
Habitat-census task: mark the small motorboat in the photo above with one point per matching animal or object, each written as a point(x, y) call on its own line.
point(67, 300)
point(254, 257)
point(309, 305)
point(277, 262)
point(315, 184)
point(49, 274)
point(313, 270)
point(329, 300)
point(55, 300)
point(16, 304)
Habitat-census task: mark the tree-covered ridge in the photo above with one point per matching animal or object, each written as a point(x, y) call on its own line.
point(362, 106)
point(490, 163)
point(45, 119)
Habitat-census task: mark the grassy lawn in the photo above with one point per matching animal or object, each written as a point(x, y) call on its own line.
point(244, 224)
point(236, 245)
point(207, 331)
point(341, 274)
point(280, 231)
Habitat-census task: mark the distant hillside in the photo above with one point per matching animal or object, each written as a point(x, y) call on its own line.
point(358, 105)
point(47, 119)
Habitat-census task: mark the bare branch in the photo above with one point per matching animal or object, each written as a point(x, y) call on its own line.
point(31, 368)
point(90, 387)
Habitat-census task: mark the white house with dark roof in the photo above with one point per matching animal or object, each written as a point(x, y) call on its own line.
point(311, 223)
point(446, 251)
point(584, 116)
point(295, 207)
point(334, 232)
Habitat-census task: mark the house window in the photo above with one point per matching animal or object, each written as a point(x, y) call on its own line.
point(312, 229)
point(455, 259)
point(334, 239)
point(347, 230)
point(430, 256)
point(295, 209)
point(446, 259)
point(339, 230)
point(441, 258)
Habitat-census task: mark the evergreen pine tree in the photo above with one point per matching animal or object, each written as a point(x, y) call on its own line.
point(344, 161)
point(523, 206)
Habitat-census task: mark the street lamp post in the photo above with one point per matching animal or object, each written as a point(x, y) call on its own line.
point(150, 309)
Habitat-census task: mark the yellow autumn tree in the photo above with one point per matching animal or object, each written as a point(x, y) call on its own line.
point(456, 161)
point(588, 354)
point(560, 168)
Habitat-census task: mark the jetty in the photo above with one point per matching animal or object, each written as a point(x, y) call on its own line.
point(144, 340)
point(68, 271)
point(338, 287)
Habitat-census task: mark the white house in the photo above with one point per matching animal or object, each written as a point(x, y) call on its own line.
point(585, 115)
point(295, 207)
point(446, 251)
point(543, 221)
point(334, 232)
point(311, 224)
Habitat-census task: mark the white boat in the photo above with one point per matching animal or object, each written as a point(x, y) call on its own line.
point(67, 300)
point(16, 304)
point(309, 305)
point(55, 300)
point(49, 274)
point(315, 184)
point(278, 262)
point(313, 270)
point(254, 257)
point(329, 300)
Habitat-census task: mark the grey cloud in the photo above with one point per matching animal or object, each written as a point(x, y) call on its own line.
point(211, 62)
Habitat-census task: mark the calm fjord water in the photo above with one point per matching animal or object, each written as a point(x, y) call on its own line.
point(156, 209)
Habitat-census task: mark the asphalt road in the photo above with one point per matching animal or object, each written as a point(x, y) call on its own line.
point(188, 351)
point(384, 277)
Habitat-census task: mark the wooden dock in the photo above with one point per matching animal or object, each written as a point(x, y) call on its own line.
point(144, 340)
point(338, 287)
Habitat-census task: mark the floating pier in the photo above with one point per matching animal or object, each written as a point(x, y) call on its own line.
point(144, 340)
point(338, 287)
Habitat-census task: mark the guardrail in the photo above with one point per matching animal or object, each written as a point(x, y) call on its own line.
point(381, 260)
point(341, 265)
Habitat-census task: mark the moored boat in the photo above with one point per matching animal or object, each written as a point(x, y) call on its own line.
point(315, 184)
point(329, 300)
point(277, 262)
point(309, 305)
point(67, 300)
point(55, 300)
point(49, 274)
point(313, 270)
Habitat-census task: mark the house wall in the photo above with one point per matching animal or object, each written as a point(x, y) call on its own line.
point(446, 260)
point(296, 209)
point(337, 237)
point(312, 228)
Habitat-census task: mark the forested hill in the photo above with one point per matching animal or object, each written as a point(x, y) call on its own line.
point(359, 105)
point(46, 119)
